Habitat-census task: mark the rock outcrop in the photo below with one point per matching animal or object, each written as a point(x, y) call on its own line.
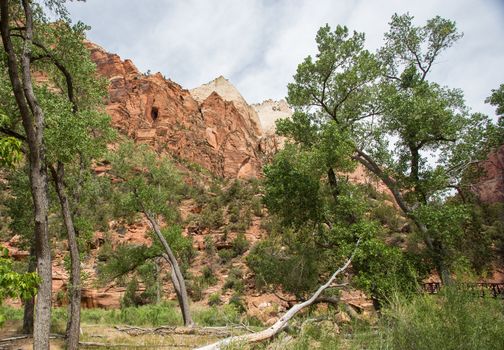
point(218, 134)
point(229, 93)
point(270, 111)
point(490, 188)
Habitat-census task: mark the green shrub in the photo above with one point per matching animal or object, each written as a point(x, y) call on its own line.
point(234, 213)
point(235, 281)
point(211, 217)
point(217, 316)
point(195, 288)
point(209, 245)
point(240, 244)
point(237, 301)
point(130, 297)
point(453, 319)
point(256, 205)
point(214, 299)
point(208, 276)
point(226, 255)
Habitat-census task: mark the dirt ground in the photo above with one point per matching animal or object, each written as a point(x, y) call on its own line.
point(106, 337)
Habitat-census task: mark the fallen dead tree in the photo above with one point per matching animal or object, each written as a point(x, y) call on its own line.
point(171, 330)
point(282, 323)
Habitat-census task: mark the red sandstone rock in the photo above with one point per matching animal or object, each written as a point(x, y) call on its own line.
point(490, 188)
point(154, 110)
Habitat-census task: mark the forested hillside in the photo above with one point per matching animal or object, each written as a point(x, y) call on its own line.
point(366, 210)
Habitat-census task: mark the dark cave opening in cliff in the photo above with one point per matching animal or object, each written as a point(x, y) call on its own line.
point(154, 113)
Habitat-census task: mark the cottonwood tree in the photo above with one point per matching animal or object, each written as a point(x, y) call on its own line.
point(18, 53)
point(66, 105)
point(394, 120)
point(149, 184)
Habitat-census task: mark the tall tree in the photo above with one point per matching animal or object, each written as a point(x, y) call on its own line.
point(394, 118)
point(71, 96)
point(150, 185)
point(32, 115)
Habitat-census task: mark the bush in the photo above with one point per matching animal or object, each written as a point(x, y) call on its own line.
point(453, 319)
point(214, 299)
point(237, 301)
point(209, 246)
point(195, 288)
point(257, 206)
point(130, 297)
point(234, 281)
point(226, 255)
point(240, 244)
point(222, 316)
point(208, 276)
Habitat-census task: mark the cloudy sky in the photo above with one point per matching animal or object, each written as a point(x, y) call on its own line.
point(257, 44)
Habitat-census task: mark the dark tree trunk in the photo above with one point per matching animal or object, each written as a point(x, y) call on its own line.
point(333, 182)
point(73, 323)
point(177, 277)
point(435, 246)
point(33, 124)
point(29, 305)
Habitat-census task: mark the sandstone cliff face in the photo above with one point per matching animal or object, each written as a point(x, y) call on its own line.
point(490, 188)
point(211, 132)
point(270, 111)
point(229, 93)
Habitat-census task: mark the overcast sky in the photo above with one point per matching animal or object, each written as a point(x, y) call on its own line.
point(257, 44)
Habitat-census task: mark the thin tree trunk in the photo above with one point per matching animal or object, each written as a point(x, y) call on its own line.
point(29, 305)
point(182, 295)
point(33, 124)
point(284, 320)
point(435, 247)
point(73, 323)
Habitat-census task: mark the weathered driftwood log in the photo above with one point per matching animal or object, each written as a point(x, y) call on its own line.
point(284, 320)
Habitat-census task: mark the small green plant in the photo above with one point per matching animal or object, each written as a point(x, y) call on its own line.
point(237, 301)
point(235, 281)
point(209, 276)
point(209, 246)
point(214, 299)
point(240, 244)
point(130, 297)
point(226, 255)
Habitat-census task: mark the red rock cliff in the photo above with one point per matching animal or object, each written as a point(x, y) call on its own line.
point(157, 111)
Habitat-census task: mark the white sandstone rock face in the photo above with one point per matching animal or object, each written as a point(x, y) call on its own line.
point(270, 111)
point(229, 93)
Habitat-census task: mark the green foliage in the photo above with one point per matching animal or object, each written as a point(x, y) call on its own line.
point(382, 111)
point(497, 99)
point(209, 276)
point(130, 295)
point(13, 284)
point(237, 301)
point(456, 319)
point(240, 244)
point(382, 270)
point(217, 316)
point(226, 255)
point(294, 268)
point(148, 182)
point(209, 246)
point(214, 299)
point(235, 281)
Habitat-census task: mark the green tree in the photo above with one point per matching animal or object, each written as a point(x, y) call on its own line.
point(149, 184)
point(18, 46)
point(390, 118)
point(70, 131)
point(13, 284)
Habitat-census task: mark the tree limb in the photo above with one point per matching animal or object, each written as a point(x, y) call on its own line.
point(284, 320)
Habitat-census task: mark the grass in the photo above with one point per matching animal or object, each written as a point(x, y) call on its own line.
point(166, 314)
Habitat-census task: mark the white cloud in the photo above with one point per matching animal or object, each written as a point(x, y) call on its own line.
point(258, 44)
